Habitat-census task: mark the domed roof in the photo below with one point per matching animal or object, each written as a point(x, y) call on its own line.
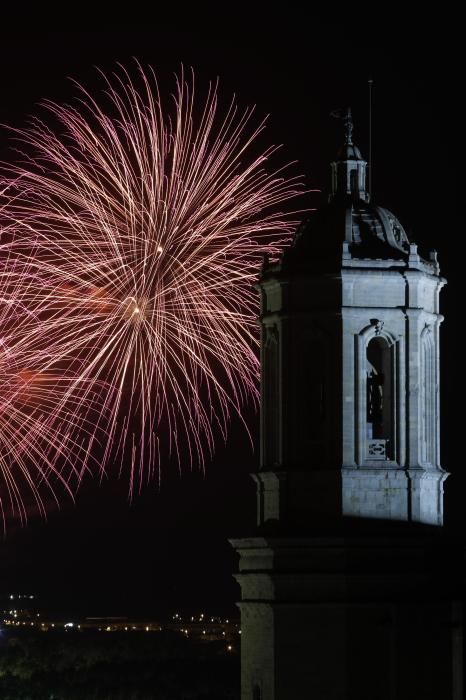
point(369, 222)
point(369, 230)
point(350, 231)
point(350, 222)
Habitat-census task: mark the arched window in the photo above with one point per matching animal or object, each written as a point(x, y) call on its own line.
point(256, 692)
point(379, 398)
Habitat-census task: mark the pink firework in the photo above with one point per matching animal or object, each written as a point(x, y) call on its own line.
point(133, 234)
point(41, 410)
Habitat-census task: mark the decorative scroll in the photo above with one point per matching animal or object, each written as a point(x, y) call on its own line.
point(377, 449)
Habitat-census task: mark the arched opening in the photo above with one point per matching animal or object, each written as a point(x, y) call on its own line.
point(379, 399)
point(256, 692)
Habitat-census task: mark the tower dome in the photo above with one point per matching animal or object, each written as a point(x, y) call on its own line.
point(351, 224)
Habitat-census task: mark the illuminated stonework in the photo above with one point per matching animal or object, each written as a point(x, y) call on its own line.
point(350, 368)
point(340, 594)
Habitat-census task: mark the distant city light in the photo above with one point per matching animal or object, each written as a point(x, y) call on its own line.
point(203, 626)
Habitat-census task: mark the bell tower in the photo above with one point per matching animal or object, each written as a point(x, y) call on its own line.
point(340, 598)
point(350, 366)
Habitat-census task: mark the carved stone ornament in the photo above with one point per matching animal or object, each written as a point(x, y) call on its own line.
point(378, 325)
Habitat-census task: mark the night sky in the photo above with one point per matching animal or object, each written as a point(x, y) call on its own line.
point(169, 548)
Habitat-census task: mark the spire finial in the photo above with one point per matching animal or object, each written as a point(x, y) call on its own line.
point(347, 118)
point(348, 124)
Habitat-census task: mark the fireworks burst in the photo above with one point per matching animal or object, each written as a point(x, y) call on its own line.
point(132, 236)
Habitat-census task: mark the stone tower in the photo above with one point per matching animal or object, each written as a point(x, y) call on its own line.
point(350, 464)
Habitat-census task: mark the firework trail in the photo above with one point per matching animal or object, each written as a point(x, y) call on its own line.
point(132, 235)
point(37, 445)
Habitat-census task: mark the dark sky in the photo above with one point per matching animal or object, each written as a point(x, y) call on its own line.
point(169, 548)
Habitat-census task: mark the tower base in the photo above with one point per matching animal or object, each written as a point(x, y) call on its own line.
point(343, 618)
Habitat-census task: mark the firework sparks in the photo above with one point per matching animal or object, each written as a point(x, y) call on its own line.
point(133, 234)
point(39, 437)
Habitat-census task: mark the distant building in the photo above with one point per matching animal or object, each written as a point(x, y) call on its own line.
point(347, 584)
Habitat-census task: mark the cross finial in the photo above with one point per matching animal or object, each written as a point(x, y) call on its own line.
point(346, 116)
point(348, 124)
